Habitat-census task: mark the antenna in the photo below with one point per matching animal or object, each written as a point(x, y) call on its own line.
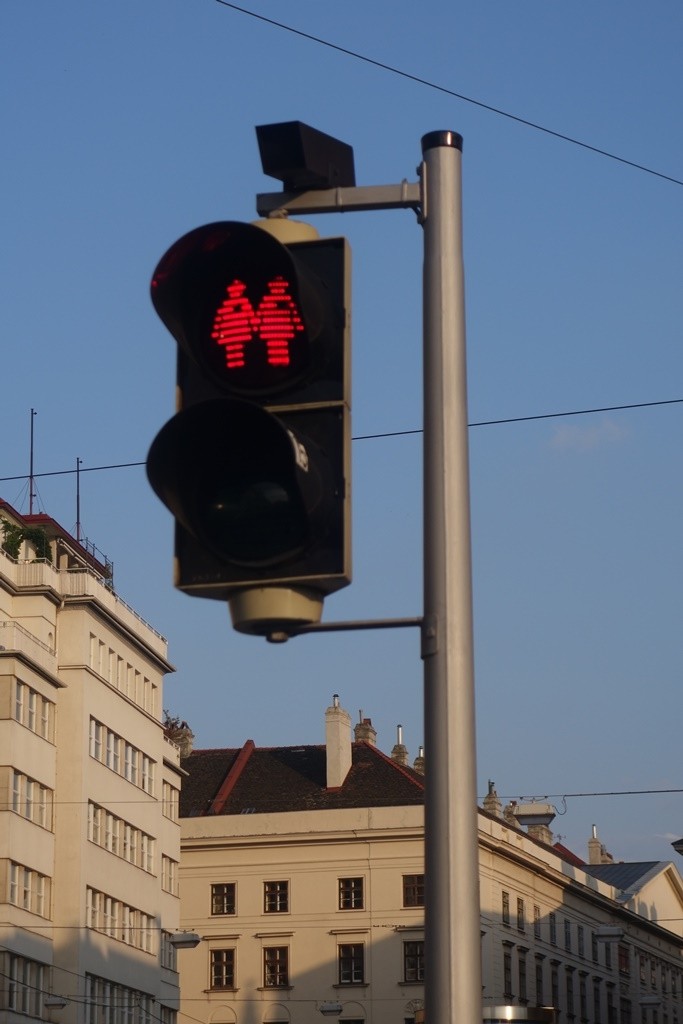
point(78, 499)
point(31, 480)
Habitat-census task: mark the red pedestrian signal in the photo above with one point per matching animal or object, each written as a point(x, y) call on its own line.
point(255, 466)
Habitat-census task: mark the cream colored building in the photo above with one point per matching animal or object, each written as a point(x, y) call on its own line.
point(89, 791)
point(302, 870)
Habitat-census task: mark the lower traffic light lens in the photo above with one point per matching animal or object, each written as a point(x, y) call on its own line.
point(254, 520)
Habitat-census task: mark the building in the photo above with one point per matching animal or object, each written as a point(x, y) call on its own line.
point(89, 791)
point(302, 870)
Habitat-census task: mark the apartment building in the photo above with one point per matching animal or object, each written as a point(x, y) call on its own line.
point(302, 871)
point(89, 791)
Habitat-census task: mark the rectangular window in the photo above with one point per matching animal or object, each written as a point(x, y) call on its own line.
point(275, 897)
point(570, 993)
point(594, 948)
point(413, 962)
point(624, 959)
point(555, 986)
point(537, 924)
point(597, 1003)
point(223, 968)
point(169, 801)
point(33, 711)
point(581, 942)
point(351, 963)
point(521, 976)
point(507, 972)
point(276, 967)
point(552, 922)
point(583, 998)
point(119, 920)
point(539, 983)
point(506, 907)
point(350, 893)
point(169, 875)
point(29, 889)
point(32, 800)
point(25, 985)
point(413, 890)
point(167, 952)
point(520, 915)
point(223, 898)
point(567, 935)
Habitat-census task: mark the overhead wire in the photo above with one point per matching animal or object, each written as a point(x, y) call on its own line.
point(395, 433)
point(392, 69)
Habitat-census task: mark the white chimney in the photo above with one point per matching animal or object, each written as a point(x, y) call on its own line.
point(399, 752)
point(337, 743)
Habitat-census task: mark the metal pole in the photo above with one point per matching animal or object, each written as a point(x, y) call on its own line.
point(452, 915)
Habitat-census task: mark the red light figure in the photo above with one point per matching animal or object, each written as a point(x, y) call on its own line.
point(234, 324)
point(279, 321)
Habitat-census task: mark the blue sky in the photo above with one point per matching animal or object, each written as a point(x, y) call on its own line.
point(127, 124)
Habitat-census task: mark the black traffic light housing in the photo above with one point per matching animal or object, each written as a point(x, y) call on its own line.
point(255, 465)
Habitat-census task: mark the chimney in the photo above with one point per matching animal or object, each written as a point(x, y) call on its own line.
point(337, 743)
point(419, 762)
point(399, 751)
point(364, 730)
point(492, 802)
point(597, 854)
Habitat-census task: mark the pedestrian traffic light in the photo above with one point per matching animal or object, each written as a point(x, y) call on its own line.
point(255, 465)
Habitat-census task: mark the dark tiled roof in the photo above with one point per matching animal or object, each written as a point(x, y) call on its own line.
point(622, 876)
point(274, 779)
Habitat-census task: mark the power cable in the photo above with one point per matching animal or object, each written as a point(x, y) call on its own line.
point(396, 433)
point(451, 92)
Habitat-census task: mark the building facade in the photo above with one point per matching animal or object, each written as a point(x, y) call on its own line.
point(89, 792)
point(302, 870)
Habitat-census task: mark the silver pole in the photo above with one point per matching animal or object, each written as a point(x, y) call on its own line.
point(452, 916)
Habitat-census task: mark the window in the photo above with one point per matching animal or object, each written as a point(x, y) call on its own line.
point(29, 889)
point(109, 1003)
point(521, 976)
point(351, 963)
point(350, 893)
point(570, 992)
point(520, 915)
point(413, 890)
point(275, 897)
point(567, 935)
point(507, 971)
point(537, 925)
point(169, 875)
point(506, 907)
point(581, 942)
point(222, 968)
point(594, 948)
point(26, 982)
point(223, 898)
point(34, 711)
point(555, 985)
point(121, 757)
point(539, 983)
point(120, 837)
point(583, 997)
point(32, 800)
point(276, 967)
point(597, 1002)
point(624, 959)
point(170, 799)
point(168, 956)
point(552, 921)
point(119, 921)
point(413, 962)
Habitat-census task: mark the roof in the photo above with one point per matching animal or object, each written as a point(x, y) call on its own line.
point(265, 780)
point(625, 876)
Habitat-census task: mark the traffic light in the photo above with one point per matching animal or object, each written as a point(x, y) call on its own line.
point(255, 465)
